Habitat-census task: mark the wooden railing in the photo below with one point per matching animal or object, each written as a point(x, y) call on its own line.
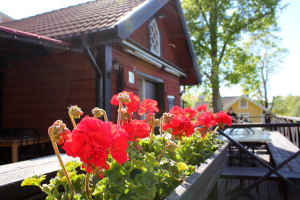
point(290, 132)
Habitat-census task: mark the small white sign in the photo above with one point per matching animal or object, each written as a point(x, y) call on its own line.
point(131, 77)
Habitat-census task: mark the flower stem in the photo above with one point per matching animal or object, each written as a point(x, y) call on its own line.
point(162, 153)
point(72, 119)
point(60, 161)
point(87, 189)
point(119, 114)
point(160, 126)
point(104, 115)
point(216, 129)
point(152, 132)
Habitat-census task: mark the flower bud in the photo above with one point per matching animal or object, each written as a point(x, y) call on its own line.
point(167, 117)
point(75, 111)
point(59, 131)
point(97, 112)
point(124, 98)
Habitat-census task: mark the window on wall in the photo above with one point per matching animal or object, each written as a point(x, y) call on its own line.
point(155, 45)
point(171, 102)
point(151, 87)
point(243, 104)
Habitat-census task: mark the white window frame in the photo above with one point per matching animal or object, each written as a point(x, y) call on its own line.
point(154, 37)
point(240, 105)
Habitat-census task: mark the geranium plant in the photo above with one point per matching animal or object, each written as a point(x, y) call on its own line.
point(127, 160)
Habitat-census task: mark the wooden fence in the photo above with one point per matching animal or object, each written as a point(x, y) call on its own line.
point(290, 132)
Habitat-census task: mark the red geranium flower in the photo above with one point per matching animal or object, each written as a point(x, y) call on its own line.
point(148, 105)
point(136, 129)
point(190, 112)
point(177, 110)
point(92, 140)
point(202, 108)
point(119, 144)
point(222, 118)
point(132, 105)
point(180, 125)
point(206, 120)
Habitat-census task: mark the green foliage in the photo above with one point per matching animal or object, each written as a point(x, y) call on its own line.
point(217, 29)
point(286, 106)
point(264, 57)
point(153, 171)
point(35, 180)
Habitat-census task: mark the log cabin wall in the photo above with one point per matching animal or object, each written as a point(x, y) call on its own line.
point(37, 90)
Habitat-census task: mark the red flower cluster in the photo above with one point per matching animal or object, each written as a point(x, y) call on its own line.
point(92, 140)
point(136, 129)
point(190, 112)
point(207, 120)
point(132, 104)
point(202, 108)
point(148, 105)
point(181, 125)
point(223, 118)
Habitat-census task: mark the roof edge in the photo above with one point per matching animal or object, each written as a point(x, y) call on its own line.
point(133, 20)
point(14, 34)
point(188, 40)
point(248, 99)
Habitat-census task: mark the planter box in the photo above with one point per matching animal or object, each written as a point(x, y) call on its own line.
point(12, 175)
point(199, 184)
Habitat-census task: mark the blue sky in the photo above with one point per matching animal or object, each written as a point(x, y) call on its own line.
point(285, 82)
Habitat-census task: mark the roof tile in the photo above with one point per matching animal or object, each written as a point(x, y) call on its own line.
point(82, 18)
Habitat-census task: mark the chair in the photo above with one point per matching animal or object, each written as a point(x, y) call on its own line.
point(29, 144)
point(5, 152)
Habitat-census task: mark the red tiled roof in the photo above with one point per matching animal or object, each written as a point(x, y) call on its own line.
point(74, 20)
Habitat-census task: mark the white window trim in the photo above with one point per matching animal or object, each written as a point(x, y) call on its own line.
point(154, 34)
point(240, 107)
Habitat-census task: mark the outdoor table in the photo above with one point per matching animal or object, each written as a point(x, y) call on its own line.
point(15, 142)
point(251, 139)
point(255, 138)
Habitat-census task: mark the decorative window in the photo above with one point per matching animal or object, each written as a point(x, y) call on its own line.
point(243, 104)
point(154, 37)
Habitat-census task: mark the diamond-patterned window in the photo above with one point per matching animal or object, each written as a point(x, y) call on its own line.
point(154, 37)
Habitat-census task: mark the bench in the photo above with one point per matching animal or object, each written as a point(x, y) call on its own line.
point(13, 174)
point(280, 149)
point(254, 173)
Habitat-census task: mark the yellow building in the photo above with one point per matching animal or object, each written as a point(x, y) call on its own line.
point(245, 108)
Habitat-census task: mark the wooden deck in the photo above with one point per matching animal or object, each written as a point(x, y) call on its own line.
point(237, 177)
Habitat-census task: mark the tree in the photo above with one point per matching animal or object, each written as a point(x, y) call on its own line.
point(265, 56)
point(286, 106)
point(217, 28)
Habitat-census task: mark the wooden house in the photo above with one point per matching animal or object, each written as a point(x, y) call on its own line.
point(83, 54)
point(245, 108)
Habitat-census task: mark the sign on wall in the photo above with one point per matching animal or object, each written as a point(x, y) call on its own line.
point(131, 77)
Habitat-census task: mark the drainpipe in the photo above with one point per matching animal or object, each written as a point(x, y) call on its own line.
point(99, 75)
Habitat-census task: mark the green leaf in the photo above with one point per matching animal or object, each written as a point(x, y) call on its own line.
point(149, 180)
point(138, 164)
point(145, 194)
point(151, 159)
point(34, 180)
